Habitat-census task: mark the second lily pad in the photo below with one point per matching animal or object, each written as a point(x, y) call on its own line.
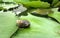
point(7, 24)
point(39, 28)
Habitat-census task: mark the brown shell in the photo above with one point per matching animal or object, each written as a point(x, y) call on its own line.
point(23, 23)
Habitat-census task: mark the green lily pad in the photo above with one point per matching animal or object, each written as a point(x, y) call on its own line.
point(34, 4)
point(56, 14)
point(7, 24)
point(54, 2)
point(21, 0)
point(39, 28)
point(7, 0)
point(57, 5)
point(0, 0)
point(7, 6)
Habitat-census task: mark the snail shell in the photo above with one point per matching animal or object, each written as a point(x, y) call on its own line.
point(23, 23)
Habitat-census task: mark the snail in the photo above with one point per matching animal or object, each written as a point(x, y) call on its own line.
point(23, 23)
